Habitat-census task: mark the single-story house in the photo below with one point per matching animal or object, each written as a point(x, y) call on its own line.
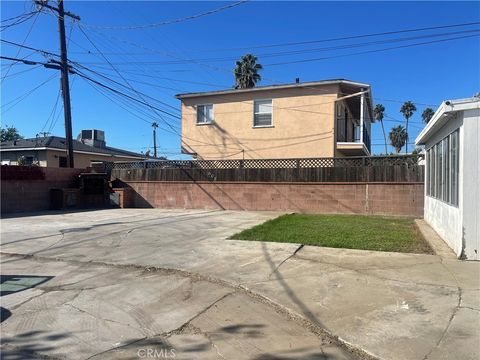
point(452, 186)
point(50, 151)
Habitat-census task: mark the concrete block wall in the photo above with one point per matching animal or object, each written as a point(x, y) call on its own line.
point(404, 199)
point(25, 189)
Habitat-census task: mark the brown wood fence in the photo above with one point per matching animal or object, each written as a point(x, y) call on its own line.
point(392, 173)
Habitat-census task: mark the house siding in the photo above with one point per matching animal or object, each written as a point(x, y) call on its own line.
point(49, 158)
point(303, 125)
point(459, 225)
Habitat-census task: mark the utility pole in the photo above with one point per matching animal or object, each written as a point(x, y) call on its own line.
point(64, 69)
point(154, 126)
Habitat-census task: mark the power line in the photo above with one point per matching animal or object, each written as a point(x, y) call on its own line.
point(52, 113)
point(211, 67)
point(24, 40)
point(24, 96)
point(296, 52)
point(102, 91)
point(28, 47)
point(166, 22)
point(20, 16)
point(350, 37)
point(22, 71)
point(129, 85)
point(21, 19)
point(371, 51)
point(123, 94)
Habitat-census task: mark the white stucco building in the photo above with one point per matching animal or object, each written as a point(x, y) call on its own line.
point(452, 186)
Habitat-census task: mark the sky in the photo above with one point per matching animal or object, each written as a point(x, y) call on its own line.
point(152, 64)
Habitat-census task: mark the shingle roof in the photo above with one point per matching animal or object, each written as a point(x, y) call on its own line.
point(57, 142)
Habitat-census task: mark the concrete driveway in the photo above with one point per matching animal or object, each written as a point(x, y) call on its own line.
point(150, 283)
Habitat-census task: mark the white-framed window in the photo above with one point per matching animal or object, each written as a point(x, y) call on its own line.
point(443, 168)
point(204, 113)
point(262, 113)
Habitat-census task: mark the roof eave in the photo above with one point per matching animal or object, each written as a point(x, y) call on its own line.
point(267, 88)
point(439, 118)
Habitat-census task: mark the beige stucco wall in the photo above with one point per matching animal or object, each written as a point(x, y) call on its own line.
point(82, 160)
point(12, 157)
point(303, 125)
point(50, 157)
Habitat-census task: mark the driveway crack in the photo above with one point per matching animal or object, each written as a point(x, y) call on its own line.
point(285, 260)
point(182, 327)
point(454, 312)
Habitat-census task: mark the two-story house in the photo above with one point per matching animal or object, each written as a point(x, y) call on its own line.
point(330, 118)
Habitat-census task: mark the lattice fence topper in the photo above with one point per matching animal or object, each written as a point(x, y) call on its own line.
point(353, 161)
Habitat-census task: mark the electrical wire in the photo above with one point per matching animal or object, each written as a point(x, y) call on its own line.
point(22, 18)
point(24, 96)
point(166, 22)
point(349, 37)
point(296, 52)
point(153, 108)
point(24, 40)
point(128, 87)
point(23, 71)
point(371, 51)
point(52, 113)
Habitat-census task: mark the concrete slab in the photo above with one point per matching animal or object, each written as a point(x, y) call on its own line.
point(93, 314)
point(392, 320)
point(395, 306)
point(439, 246)
point(456, 339)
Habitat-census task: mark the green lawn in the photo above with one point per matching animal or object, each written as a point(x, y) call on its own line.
point(341, 231)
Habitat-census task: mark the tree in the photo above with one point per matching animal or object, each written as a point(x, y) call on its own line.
point(398, 137)
point(407, 109)
point(427, 114)
point(379, 113)
point(9, 133)
point(246, 72)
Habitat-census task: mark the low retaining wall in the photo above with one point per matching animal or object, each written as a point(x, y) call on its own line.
point(404, 199)
point(27, 188)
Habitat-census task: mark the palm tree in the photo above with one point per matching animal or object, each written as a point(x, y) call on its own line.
point(398, 137)
point(407, 109)
point(378, 114)
point(427, 114)
point(246, 72)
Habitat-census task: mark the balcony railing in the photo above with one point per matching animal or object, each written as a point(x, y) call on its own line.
point(355, 136)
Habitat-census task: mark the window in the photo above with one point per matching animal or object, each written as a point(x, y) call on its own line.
point(442, 169)
point(62, 161)
point(28, 160)
point(262, 113)
point(446, 171)
point(204, 114)
point(433, 177)
point(428, 169)
point(454, 155)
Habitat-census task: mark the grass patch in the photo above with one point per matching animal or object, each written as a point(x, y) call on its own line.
point(341, 231)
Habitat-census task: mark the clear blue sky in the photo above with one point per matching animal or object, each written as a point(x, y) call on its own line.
point(424, 74)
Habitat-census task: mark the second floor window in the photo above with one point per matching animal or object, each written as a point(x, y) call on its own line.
point(204, 114)
point(262, 113)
